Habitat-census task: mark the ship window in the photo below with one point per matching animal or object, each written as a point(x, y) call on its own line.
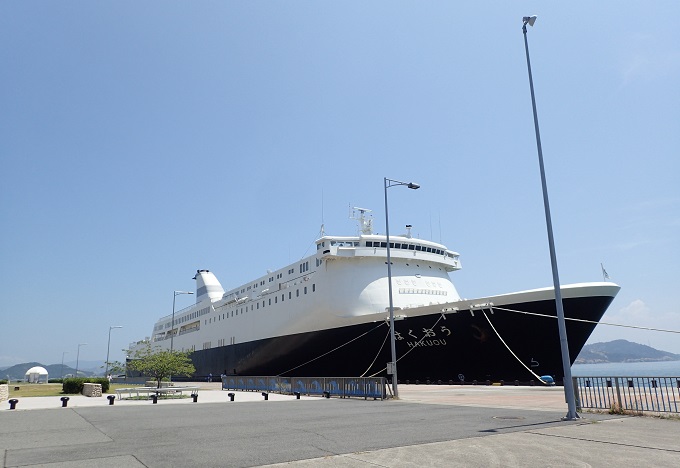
point(382, 244)
point(314, 287)
point(276, 300)
point(283, 297)
point(305, 289)
point(297, 293)
point(404, 246)
point(396, 246)
point(429, 249)
point(263, 304)
point(412, 247)
point(369, 244)
point(270, 302)
point(251, 308)
point(290, 295)
point(258, 305)
point(418, 247)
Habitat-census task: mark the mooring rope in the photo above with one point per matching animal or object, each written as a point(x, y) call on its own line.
point(587, 321)
point(414, 347)
point(333, 350)
point(508, 347)
point(377, 354)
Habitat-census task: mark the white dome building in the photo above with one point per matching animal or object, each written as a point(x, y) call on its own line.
point(37, 374)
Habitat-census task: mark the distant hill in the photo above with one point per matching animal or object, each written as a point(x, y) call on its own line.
point(18, 371)
point(622, 351)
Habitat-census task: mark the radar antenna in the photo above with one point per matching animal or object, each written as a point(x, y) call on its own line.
point(365, 222)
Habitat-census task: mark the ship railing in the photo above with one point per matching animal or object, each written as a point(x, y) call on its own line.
point(342, 387)
point(177, 314)
point(628, 394)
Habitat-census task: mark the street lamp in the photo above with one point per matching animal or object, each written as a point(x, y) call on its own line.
point(62, 364)
point(172, 326)
point(564, 346)
point(78, 357)
point(392, 183)
point(108, 346)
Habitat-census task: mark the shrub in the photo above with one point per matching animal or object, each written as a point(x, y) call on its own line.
point(75, 385)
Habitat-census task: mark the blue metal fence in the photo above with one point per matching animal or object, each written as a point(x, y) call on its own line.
point(343, 387)
point(651, 394)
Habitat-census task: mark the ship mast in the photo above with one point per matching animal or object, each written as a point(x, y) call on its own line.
point(365, 222)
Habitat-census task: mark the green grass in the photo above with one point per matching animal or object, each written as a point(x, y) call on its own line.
point(36, 390)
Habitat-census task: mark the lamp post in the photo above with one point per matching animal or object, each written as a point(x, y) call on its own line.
point(78, 357)
point(564, 346)
point(172, 325)
point(392, 183)
point(108, 347)
point(62, 364)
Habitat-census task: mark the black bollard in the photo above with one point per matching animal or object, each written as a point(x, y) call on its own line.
point(111, 399)
point(231, 396)
point(154, 398)
point(297, 395)
point(13, 403)
point(265, 395)
point(64, 401)
point(195, 397)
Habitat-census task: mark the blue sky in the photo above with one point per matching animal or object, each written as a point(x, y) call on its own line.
point(140, 141)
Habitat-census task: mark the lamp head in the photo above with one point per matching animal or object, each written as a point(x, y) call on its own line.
point(530, 20)
point(413, 186)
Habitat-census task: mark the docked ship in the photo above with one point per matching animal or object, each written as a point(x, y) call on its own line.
point(328, 315)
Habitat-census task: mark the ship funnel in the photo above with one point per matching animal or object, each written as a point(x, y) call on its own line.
point(207, 286)
point(408, 231)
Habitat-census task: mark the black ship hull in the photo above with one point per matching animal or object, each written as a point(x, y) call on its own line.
point(483, 344)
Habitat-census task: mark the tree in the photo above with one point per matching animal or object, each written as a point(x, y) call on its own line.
point(115, 367)
point(159, 364)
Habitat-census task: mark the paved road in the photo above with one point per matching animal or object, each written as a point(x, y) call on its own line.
point(433, 429)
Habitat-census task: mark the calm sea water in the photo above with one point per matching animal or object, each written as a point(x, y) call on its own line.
point(628, 369)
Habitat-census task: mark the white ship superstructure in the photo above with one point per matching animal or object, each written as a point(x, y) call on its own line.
point(343, 283)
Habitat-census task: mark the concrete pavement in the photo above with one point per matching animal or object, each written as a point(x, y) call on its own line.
point(430, 425)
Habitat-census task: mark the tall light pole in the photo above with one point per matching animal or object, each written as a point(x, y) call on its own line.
point(78, 356)
point(108, 346)
point(62, 364)
point(392, 183)
point(564, 346)
point(172, 325)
